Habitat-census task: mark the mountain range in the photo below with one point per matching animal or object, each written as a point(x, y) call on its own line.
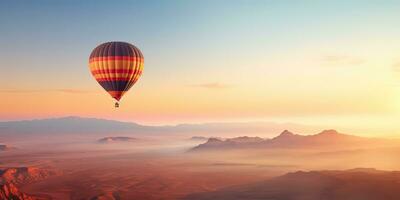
point(326, 139)
point(79, 125)
point(67, 125)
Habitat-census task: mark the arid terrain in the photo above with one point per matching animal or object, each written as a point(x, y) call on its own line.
point(135, 162)
point(355, 184)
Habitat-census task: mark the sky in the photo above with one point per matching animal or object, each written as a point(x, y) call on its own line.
point(330, 63)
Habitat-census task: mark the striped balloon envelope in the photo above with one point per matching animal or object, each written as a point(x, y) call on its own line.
point(116, 66)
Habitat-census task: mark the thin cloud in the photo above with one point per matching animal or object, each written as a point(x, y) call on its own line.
point(396, 74)
point(342, 60)
point(396, 67)
point(215, 85)
point(74, 91)
point(68, 91)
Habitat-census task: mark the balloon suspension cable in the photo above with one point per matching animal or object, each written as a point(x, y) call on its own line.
point(116, 105)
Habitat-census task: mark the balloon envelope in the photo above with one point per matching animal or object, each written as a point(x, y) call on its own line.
point(116, 66)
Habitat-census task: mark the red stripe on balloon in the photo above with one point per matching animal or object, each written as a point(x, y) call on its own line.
point(100, 71)
point(113, 79)
point(107, 58)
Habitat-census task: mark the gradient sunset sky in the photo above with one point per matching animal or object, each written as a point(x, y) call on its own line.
point(325, 63)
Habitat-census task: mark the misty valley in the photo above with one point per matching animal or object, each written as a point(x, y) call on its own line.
point(84, 158)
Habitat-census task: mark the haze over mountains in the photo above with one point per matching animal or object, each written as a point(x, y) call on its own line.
point(67, 125)
point(327, 139)
point(116, 139)
point(92, 126)
point(83, 158)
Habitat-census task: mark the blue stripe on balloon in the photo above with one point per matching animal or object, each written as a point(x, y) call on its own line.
point(114, 85)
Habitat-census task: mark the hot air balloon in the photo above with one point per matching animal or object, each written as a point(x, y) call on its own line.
point(116, 66)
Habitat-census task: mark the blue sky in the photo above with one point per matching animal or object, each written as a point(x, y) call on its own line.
point(297, 60)
point(175, 32)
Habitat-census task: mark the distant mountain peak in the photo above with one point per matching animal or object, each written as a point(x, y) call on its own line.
point(213, 140)
point(329, 132)
point(327, 139)
point(116, 139)
point(70, 117)
point(286, 133)
point(199, 138)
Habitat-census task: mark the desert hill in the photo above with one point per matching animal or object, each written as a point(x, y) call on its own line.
point(3, 147)
point(11, 192)
point(106, 140)
point(23, 175)
point(107, 196)
point(11, 178)
point(356, 184)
